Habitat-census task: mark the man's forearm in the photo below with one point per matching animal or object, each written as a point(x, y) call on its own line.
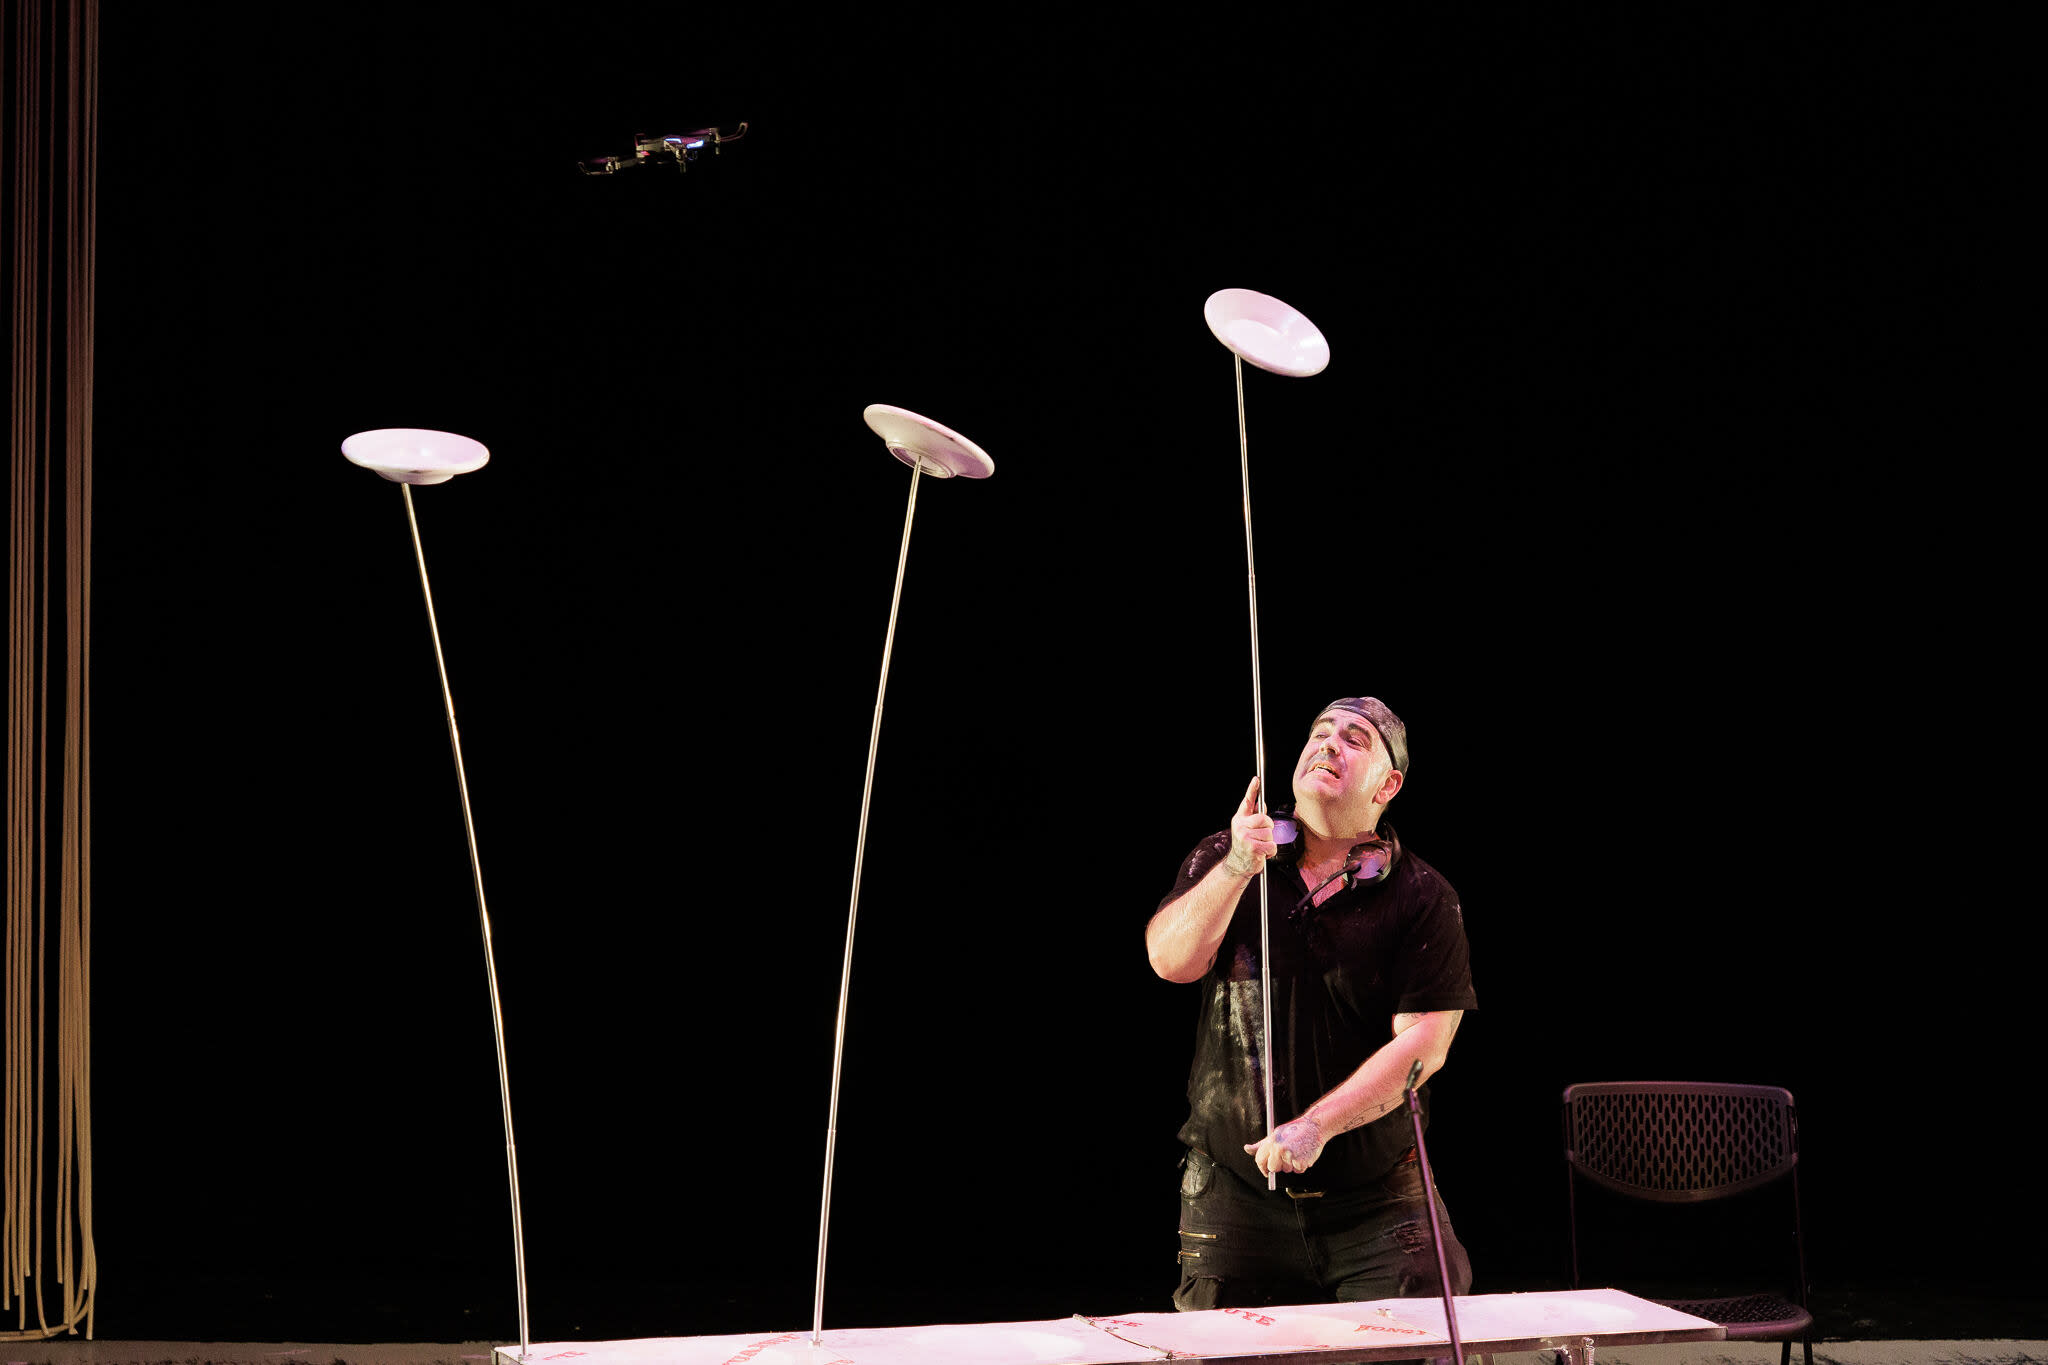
point(1372, 1090)
point(1183, 937)
point(1381, 1081)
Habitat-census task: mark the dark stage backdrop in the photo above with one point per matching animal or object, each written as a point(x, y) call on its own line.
point(1632, 311)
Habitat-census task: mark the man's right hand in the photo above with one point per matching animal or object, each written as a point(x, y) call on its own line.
point(1251, 836)
point(1183, 936)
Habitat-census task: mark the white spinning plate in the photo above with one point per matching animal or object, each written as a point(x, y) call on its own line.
point(924, 445)
point(1266, 332)
point(409, 455)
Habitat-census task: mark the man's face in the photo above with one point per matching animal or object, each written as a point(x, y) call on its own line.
point(1344, 764)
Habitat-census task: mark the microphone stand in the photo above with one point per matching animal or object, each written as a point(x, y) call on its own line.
point(1436, 1231)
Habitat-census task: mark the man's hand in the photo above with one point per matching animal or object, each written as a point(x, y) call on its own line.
point(1289, 1148)
point(1251, 836)
point(1184, 935)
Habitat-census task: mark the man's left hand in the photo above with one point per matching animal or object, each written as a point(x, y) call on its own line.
point(1292, 1147)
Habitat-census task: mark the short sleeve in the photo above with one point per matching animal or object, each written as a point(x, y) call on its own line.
point(1436, 960)
point(1195, 866)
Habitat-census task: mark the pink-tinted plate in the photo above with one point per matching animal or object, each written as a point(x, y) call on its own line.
point(411, 455)
point(923, 444)
point(1266, 332)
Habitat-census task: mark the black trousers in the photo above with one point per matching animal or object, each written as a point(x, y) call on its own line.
point(1246, 1247)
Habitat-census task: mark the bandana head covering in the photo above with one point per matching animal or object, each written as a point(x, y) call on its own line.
point(1392, 732)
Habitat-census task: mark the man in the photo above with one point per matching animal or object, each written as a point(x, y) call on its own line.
point(1368, 977)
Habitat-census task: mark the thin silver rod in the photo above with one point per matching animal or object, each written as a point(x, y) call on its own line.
point(860, 845)
point(1251, 576)
point(483, 915)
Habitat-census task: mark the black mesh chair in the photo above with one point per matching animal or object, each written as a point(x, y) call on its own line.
point(1680, 1142)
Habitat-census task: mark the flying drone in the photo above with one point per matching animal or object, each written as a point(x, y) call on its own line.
point(675, 150)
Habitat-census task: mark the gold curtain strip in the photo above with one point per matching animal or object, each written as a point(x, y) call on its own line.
point(52, 257)
point(23, 737)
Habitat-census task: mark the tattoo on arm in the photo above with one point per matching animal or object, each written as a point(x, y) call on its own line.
point(1333, 1124)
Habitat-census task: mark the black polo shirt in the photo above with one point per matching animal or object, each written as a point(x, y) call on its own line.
point(1341, 972)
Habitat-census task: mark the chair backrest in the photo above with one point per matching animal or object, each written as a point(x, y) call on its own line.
point(1679, 1141)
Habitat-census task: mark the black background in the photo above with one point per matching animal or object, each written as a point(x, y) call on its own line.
point(1643, 320)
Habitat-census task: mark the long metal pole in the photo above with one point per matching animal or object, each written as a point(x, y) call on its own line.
point(860, 844)
point(484, 915)
point(1251, 576)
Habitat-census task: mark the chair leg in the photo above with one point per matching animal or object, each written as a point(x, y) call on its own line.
point(1785, 1352)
